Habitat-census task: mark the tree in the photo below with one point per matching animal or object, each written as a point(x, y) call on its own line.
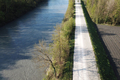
point(43, 54)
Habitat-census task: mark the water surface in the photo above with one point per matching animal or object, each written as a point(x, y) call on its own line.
point(17, 40)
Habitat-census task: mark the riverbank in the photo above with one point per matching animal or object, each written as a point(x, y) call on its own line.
point(61, 49)
point(11, 10)
point(63, 61)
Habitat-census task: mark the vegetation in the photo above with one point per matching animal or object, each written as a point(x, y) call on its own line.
point(105, 69)
point(11, 9)
point(61, 50)
point(104, 11)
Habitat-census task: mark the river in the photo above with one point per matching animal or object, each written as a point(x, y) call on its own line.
point(17, 40)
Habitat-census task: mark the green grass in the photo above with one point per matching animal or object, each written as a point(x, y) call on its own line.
point(105, 70)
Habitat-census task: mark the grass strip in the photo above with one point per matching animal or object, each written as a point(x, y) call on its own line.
point(104, 68)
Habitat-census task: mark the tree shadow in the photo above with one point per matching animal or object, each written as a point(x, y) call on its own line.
point(79, 15)
point(88, 65)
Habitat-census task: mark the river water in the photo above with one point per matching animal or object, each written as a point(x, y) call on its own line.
point(17, 40)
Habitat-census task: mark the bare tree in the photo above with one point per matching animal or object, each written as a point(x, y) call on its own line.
point(42, 54)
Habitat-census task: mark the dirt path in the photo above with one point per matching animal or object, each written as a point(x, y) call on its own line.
point(110, 35)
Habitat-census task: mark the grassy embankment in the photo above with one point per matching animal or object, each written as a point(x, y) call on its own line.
point(104, 11)
point(61, 49)
point(103, 64)
point(12, 9)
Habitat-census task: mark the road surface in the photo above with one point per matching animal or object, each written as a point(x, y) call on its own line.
point(84, 67)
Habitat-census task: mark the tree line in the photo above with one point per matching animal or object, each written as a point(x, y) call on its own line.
point(10, 9)
point(104, 11)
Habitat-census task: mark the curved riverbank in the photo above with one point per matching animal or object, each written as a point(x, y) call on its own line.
point(61, 49)
point(11, 10)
